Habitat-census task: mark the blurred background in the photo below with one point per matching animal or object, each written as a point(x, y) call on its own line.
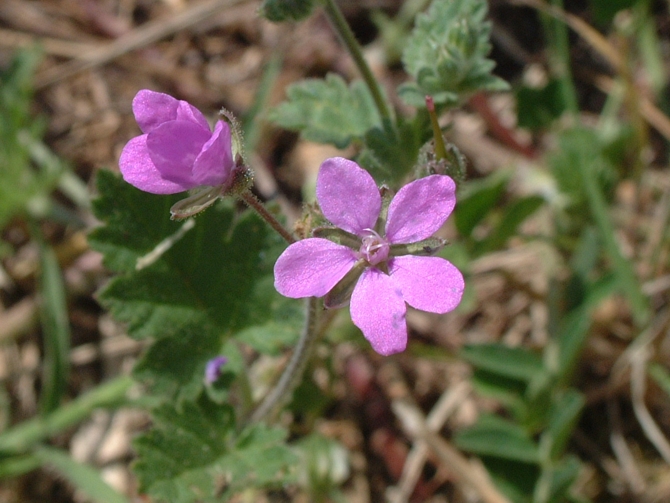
point(561, 230)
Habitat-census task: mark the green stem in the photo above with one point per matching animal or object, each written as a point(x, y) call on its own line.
point(440, 149)
point(292, 374)
point(253, 203)
point(560, 58)
point(347, 36)
point(26, 434)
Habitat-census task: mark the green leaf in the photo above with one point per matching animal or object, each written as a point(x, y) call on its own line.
point(661, 375)
point(605, 10)
point(563, 416)
point(15, 466)
point(194, 295)
point(509, 392)
point(391, 151)
point(513, 363)
point(82, 477)
point(512, 218)
point(284, 325)
point(476, 200)
point(555, 481)
point(538, 108)
point(580, 149)
point(327, 111)
point(192, 454)
point(24, 435)
point(175, 366)
point(28, 169)
point(494, 436)
point(516, 480)
point(446, 53)
point(286, 10)
point(55, 330)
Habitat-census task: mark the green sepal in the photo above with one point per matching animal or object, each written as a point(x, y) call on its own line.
point(341, 293)
point(453, 165)
point(200, 200)
point(339, 236)
point(425, 248)
point(387, 196)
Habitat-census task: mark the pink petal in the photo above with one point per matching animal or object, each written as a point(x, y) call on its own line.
point(378, 309)
point(152, 109)
point(187, 112)
point(174, 147)
point(138, 169)
point(215, 161)
point(348, 195)
point(312, 267)
point(420, 208)
point(430, 284)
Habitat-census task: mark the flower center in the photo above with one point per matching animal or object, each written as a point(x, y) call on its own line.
point(374, 248)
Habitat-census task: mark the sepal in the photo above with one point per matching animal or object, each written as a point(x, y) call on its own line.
point(200, 200)
point(339, 236)
point(426, 248)
point(340, 295)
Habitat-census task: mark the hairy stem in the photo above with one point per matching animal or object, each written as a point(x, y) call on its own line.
point(347, 36)
point(292, 374)
point(253, 203)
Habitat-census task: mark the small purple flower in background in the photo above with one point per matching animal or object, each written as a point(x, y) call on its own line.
point(213, 369)
point(385, 273)
point(177, 151)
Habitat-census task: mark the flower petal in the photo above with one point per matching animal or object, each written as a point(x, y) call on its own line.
point(187, 112)
point(348, 195)
point(215, 161)
point(174, 147)
point(430, 284)
point(152, 109)
point(420, 208)
point(139, 170)
point(312, 267)
point(378, 309)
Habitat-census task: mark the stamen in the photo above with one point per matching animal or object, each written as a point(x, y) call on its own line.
point(374, 248)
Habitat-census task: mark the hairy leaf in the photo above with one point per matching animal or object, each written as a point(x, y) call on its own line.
point(327, 111)
point(391, 151)
point(192, 455)
point(446, 53)
point(191, 297)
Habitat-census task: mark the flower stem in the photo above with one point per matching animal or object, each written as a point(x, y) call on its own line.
point(253, 203)
point(292, 374)
point(440, 149)
point(347, 36)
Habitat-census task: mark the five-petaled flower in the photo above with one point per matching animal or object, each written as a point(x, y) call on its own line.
point(177, 151)
point(375, 255)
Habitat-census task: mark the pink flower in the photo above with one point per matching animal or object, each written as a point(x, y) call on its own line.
point(177, 151)
point(375, 252)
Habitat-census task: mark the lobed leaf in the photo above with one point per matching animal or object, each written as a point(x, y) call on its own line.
point(446, 53)
point(327, 111)
point(195, 295)
point(192, 455)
